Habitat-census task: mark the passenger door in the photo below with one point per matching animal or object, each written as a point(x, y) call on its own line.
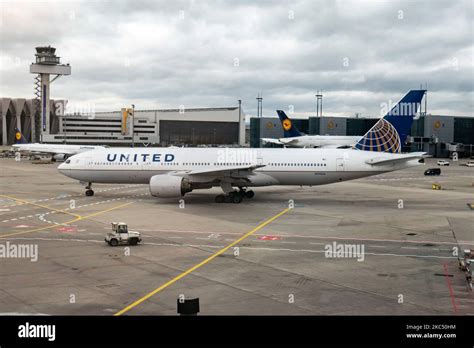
point(340, 164)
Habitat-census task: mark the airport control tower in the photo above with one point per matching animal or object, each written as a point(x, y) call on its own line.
point(47, 63)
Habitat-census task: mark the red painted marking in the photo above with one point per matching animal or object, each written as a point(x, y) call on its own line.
point(268, 237)
point(66, 229)
point(451, 292)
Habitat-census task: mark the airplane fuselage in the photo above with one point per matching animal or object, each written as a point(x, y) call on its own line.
point(320, 141)
point(274, 166)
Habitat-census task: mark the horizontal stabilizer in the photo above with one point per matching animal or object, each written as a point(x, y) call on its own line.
point(400, 158)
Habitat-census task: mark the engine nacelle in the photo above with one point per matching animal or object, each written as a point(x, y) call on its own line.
point(60, 157)
point(164, 185)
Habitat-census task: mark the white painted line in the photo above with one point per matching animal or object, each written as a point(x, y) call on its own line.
point(242, 247)
point(280, 234)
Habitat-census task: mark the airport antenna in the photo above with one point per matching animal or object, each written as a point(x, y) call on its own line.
point(47, 63)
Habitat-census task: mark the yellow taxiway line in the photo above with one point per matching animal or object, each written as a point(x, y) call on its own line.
point(202, 263)
point(78, 218)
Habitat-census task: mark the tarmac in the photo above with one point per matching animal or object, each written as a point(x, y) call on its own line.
point(267, 255)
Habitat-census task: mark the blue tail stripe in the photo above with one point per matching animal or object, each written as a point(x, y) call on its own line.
point(288, 128)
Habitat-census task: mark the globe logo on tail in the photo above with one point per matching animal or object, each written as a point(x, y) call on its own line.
point(383, 137)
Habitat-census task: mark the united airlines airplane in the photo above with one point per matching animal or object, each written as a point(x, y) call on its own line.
point(173, 172)
point(294, 138)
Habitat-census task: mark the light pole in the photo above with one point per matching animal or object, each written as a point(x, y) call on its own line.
point(133, 125)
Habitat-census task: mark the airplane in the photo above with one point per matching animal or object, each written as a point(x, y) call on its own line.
point(60, 152)
point(173, 172)
point(294, 138)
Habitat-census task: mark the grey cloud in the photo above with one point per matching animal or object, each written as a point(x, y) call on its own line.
point(147, 53)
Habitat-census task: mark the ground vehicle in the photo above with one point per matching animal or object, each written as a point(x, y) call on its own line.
point(433, 171)
point(121, 235)
point(470, 163)
point(443, 163)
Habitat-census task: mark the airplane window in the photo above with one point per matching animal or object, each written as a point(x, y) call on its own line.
point(68, 161)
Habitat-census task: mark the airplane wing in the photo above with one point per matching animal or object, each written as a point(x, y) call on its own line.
point(39, 149)
point(272, 141)
point(329, 147)
point(61, 152)
point(226, 171)
point(401, 158)
point(289, 141)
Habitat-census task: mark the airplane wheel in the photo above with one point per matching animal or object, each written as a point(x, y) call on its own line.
point(249, 194)
point(219, 199)
point(89, 193)
point(236, 198)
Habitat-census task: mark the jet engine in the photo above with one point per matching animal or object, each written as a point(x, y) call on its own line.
point(165, 185)
point(59, 157)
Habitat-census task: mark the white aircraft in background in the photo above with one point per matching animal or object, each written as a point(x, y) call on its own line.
point(59, 152)
point(173, 172)
point(294, 138)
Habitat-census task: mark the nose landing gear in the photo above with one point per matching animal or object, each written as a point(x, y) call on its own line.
point(89, 191)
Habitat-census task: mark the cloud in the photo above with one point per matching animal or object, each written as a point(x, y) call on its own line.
point(159, 54)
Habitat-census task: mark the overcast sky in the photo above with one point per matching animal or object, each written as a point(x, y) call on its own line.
point(163, 54)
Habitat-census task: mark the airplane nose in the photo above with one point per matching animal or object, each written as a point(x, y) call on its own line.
point(61, 167)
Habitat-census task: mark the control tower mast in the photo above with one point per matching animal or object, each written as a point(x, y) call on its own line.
point(47, 63)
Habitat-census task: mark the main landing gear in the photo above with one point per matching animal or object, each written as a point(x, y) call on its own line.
point(89, 191)
point(234, 196)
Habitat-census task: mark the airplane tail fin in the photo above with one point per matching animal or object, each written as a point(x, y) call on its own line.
point(288, 127)
point(19, 137)
point(391, 131)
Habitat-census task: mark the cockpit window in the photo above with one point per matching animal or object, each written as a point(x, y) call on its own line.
point(68, 161)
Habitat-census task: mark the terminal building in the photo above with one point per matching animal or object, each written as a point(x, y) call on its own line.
point(438, 135)
point(161, 127)
point(42, 119)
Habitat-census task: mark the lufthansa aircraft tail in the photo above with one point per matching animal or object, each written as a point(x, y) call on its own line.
point(19, 138)
point(390, 132)
point(288, 127)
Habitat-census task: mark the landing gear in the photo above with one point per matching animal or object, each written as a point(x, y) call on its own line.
point(234, 196)
point(89, 191)
point(249, 194)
